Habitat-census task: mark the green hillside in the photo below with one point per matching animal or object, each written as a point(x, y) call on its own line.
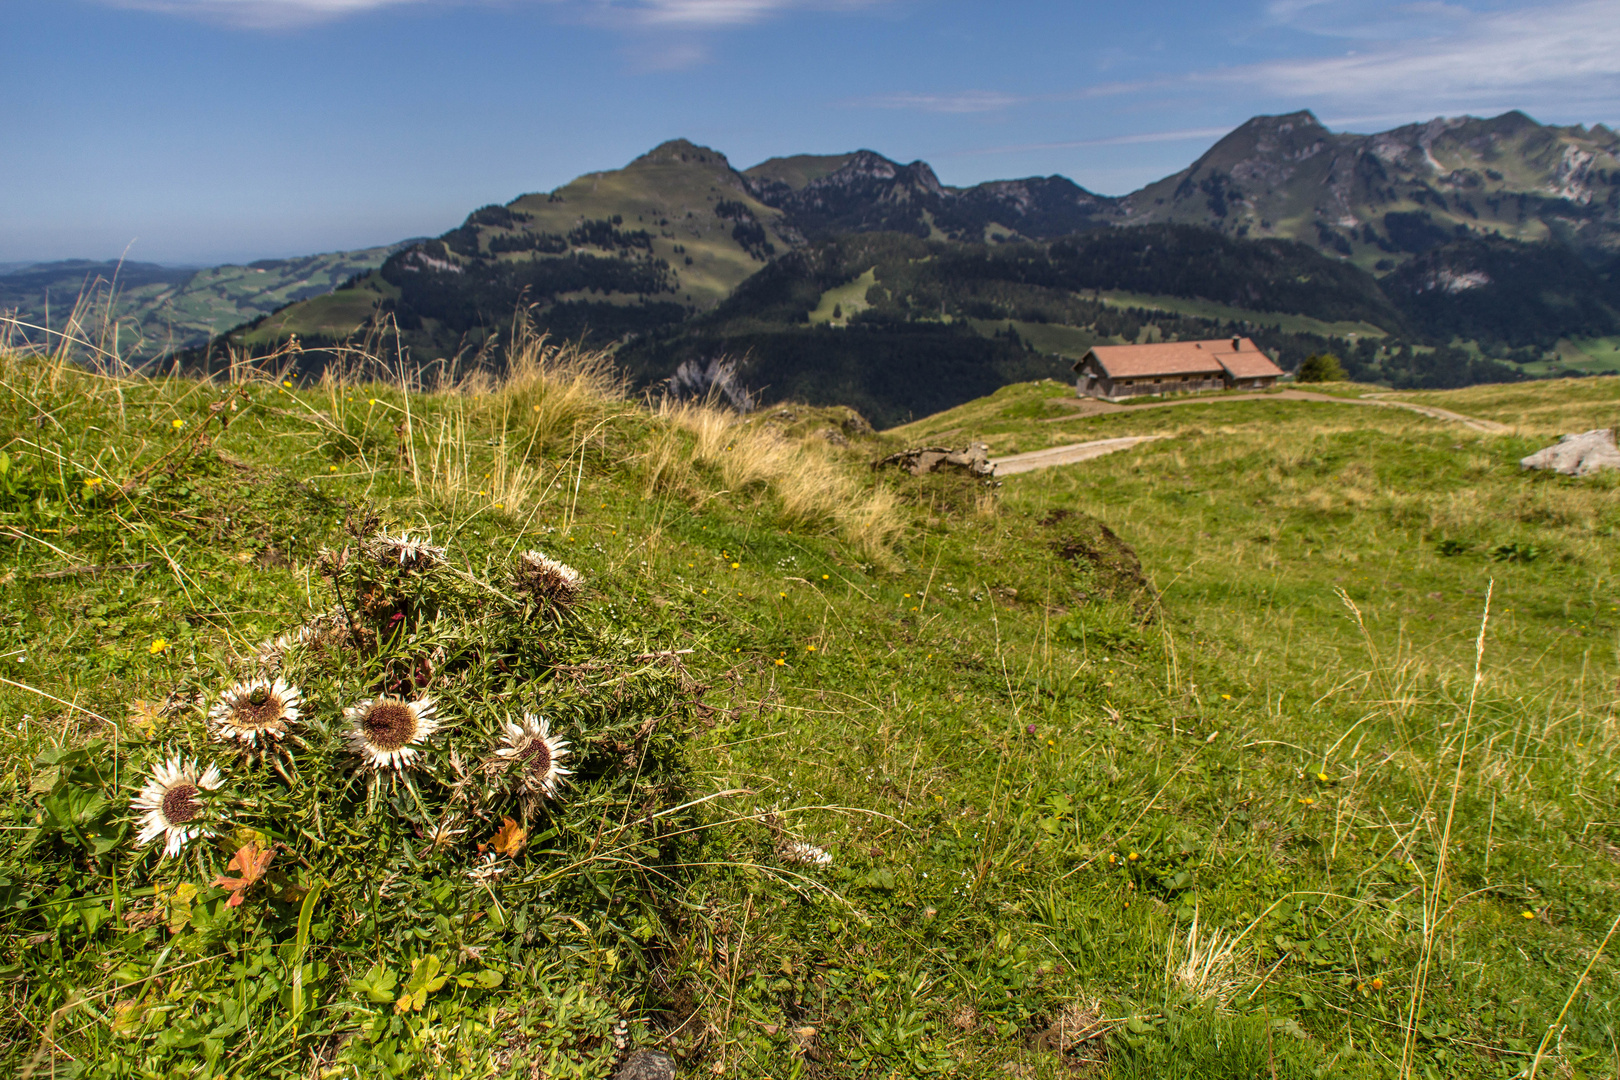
point(159, 310)
point(608, 254)
point(1378, 199)
point(900, 327)
point(796, 171)
point(1174, 763)
point(1394, 249)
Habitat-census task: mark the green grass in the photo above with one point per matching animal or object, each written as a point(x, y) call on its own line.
point(1589, 356)
point(1034, 771)
point(847, 299)
point(1208, 309)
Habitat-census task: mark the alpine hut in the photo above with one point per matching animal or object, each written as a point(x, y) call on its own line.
point(1113, 372)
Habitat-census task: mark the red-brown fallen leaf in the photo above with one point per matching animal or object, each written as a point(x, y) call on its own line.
point(510, 839)
point(250, 862)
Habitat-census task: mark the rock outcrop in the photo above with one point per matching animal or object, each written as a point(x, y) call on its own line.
point(974, 459)
point(1578, 455)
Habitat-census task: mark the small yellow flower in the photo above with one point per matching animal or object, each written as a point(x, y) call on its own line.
point(705, 592)
point(780, 662)
point(161, 645)
point(500, 506)
point(1112, 859)
point(1377, 984)
point(177, 423)
point(1322, 776)
point(287, 384)
point(371, 401)
point(736, 566)
point(332, 469)
point(1132, 857)
point(94, 481)
point(824, 577)
point(1307, 802)
point(537, 408)
point(809, 648)
point(1226, 697)
point(1528, 914)
point(782, 594)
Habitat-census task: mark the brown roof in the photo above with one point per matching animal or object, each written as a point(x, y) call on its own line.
point(1183, 358)
point(1249, 363)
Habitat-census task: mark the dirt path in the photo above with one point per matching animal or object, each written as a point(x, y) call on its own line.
point(1067, 455)
point(1083, 407)
point(1092, 407)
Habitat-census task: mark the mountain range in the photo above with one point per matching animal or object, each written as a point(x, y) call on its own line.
point(1497, 237)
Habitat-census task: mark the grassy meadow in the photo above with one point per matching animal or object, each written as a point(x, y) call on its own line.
point(1198, 760)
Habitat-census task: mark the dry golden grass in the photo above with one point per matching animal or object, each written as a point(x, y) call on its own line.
point(1546, 408)
point(813, 489)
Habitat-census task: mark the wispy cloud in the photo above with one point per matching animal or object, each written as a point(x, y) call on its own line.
point(629, 14)
point(1187, 135)
point(1439, 56)
point(260, 14)
point(1399, 61)
point(963, 101)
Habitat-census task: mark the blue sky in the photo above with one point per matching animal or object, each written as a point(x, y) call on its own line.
point(218, 130)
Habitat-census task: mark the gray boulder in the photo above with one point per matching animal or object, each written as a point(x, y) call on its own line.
point(1578, 455)
point(647, 1065)
point(973, 459)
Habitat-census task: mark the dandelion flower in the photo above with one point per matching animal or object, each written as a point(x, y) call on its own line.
point(172, 801)
point(1528, 914)
point(177, 423)
point(410, 551)
point(161, 645)
point(545, 578)
point(1322, 776)
point(387, 730)
point(532, 744)
point(251, 709)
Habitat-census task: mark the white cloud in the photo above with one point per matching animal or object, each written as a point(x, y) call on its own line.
point(260, 14)
point(629, 14)
point(1187, 135)
point(1544, 56)
point(965, 101)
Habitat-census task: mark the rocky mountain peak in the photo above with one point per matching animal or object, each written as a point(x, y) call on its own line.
point(681, 152)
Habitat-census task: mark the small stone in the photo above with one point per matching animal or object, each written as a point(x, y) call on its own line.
point(647, 1065)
